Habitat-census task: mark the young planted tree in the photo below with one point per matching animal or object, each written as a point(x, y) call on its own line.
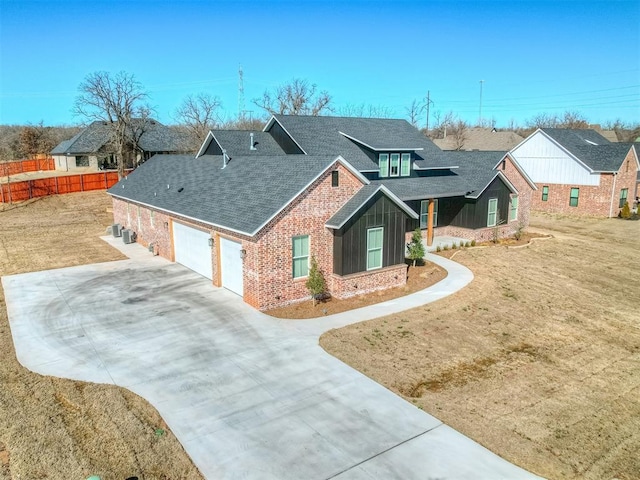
point(120, 101)
point(315, 282)
point(416, 247)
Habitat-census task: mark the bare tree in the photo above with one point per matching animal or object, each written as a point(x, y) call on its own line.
point(117, 100)
point(35, 139)
point(573, 119)
point(298, 97)
point(199, 114)
point(414, 110)
point(365, 110)
point(542, 120)
point(459, 131)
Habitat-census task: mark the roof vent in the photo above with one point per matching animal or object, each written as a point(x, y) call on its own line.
point(225, 158)
point(252, 146)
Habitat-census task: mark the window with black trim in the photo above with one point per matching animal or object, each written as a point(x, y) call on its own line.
point(335, 179)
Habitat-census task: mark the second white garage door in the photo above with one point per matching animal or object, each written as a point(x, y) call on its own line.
point(191, 248)
point(231, 265)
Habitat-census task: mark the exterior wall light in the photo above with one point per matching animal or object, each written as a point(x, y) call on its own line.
point(212, 242)
point(243, 253)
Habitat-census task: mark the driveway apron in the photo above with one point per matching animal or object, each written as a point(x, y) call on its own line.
point(247, 395)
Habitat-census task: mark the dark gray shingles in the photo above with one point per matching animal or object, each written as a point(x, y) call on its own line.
point(352, 206)
point(321, 135)
point(591, 148)
point(475, 172)
point(240, 197)
point(155, 138)
point(238, 143)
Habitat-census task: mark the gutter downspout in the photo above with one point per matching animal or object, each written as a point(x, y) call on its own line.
point(613, 191)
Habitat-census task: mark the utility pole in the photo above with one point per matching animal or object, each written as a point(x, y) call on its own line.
point(429, 102)
point(480, 114)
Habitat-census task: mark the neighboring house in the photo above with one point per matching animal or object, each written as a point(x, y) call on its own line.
point(251, 208)
point(484, 139)
point(578, 171)
point(93, 150)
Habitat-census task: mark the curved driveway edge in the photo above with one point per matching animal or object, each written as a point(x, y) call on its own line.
point(247, 395)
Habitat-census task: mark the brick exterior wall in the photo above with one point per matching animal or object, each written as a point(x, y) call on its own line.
point(367, 282)
point(268, 263)
point(592, 200)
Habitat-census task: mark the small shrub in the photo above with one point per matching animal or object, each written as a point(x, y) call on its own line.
point(453, 246)
point(468, 244)
point(446, 247)
point(473, 243)
point(626, 211)
point(438, 249)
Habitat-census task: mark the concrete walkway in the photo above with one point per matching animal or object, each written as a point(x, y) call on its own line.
point(248, 396)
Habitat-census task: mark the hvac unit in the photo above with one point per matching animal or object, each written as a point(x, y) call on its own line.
point(116, 230)
point(128, 236)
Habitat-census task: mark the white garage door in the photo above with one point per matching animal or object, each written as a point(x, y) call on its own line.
point(191, 247)
point(231, 265)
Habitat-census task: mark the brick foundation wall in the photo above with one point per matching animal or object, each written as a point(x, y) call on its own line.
point(592, 200)
point(367, 282)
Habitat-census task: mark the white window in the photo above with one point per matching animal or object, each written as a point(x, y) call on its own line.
point(300, 256)
point(383, 164)
point(394, 171)
point(513, 210)
point(374, 248)
point(139, 219)
point(128, 214)
point(424, 213)
point(492, 214)
point(405, 165)
point(152, 217)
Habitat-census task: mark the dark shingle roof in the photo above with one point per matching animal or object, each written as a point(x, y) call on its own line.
point(238, 142)
point(322, 135)
point(591, 148)
point(356, 202)
point(241, 197)
point(475, 173)
point(156, 138)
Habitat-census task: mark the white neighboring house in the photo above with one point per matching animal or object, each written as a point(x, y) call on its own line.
point(578, 171)
point(92, 149)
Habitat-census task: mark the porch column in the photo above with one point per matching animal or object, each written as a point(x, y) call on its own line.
point(430, 223)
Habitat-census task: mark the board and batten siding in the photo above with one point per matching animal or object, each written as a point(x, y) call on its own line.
point(545, 162)
point(350, 242)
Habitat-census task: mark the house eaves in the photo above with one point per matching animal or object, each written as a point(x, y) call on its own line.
point(519, 168)
point(381, 149)
point(475, 195)
point(270, 123)
point(359, 200)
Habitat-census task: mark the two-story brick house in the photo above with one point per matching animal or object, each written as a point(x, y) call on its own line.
point(251, 209)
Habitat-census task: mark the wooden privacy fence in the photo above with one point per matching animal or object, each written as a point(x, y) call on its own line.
point(41, 187)
point(22, 166)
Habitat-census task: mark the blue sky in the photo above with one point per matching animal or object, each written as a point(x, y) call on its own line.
point(542, 56)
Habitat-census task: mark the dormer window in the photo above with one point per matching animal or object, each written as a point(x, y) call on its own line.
point(394, 164)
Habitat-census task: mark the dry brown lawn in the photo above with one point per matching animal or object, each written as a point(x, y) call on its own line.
point(51, 428)
point(538, 359)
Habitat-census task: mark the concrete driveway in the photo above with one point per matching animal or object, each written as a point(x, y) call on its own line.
point(247, 395)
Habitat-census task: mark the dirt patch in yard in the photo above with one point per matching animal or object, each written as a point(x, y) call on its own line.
point(538, 359)
point(55, 428)
point(418, 278)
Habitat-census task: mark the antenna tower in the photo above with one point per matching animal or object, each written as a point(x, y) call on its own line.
point(240, 94)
